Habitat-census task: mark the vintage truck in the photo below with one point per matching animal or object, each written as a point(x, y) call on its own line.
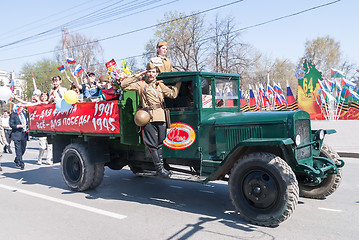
point(269, 158)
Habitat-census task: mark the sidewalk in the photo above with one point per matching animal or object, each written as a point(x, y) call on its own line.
point(345, 141)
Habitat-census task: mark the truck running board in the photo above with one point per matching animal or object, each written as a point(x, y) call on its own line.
point(174, 176)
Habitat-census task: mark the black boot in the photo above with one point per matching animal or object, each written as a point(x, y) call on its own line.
point(9, 149)
point(159, 151)
point(161, 171)
point(5, 149)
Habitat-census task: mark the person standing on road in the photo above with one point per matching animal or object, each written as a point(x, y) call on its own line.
point(160, 60)
point(3, 142)
point(18, 124)
point(7, 131)
point(152, 94)
point(43, 144)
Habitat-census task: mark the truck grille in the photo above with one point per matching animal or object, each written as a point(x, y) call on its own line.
point(302, 127)
point(235, 135)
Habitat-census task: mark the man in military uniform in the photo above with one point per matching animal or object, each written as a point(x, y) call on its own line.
point(161, 61)
point(152, 94)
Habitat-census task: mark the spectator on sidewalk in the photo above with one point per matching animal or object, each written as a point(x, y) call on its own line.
point(3, 142)
point(7, 130)
point(43, 144)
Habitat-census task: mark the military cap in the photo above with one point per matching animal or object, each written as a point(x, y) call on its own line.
point(104, 78)
point(161, 43)
point(150, 66)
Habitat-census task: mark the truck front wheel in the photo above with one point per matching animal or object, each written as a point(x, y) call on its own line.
point(328, 185)
point(263, 188)
point(77, 170)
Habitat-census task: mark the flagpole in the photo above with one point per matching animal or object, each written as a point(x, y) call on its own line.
point(319, 105)
point(336, 111)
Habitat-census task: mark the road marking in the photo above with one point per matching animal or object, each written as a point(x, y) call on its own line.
point(65, 202)
point(205, 191)
point(329, 209)
point(150, 182)
point(126, 179)
point(162, 200)
point(173, 186)
point(20, 180)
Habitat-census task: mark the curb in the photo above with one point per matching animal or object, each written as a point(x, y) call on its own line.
point(348, 154)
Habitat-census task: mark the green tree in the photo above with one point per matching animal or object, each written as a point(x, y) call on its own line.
point(325, 53)
point(43, 71)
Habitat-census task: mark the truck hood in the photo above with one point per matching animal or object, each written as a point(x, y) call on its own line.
point(250, 118)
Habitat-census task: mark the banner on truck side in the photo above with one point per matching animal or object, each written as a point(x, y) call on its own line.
point(88, 117)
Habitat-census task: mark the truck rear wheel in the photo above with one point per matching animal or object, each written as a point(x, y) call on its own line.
point(263, 188)
point(98, 175)
point(77, 170)
point(329, 184)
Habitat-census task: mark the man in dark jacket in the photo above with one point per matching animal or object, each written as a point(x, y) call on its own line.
point(18, 124)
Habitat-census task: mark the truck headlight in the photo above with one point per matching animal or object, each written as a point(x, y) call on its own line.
point(319, 135)
point(296, 139)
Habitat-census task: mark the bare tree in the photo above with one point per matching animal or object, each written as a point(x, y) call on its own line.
point(225, 45)
point(185, 37)
point(87, 52)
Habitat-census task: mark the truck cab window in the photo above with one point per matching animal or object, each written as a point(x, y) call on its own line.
point(184, 100)
point(226, 92)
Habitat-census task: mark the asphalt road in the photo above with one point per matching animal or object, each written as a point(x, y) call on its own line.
point(36, 204)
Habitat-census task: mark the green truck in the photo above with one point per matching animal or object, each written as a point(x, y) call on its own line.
point(269, 158)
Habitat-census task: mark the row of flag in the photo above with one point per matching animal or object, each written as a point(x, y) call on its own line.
point(334, 94)
point(270, 99)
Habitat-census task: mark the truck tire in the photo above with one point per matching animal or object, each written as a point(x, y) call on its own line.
point(329, 184)
point(263, 188)
point(98, 176)
point(77, 170)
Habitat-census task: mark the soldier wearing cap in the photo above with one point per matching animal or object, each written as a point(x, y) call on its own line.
point(152, 94)
point(161, 61)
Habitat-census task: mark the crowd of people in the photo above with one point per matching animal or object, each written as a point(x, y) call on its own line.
point(14, 126)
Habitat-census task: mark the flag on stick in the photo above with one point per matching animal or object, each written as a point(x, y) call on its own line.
point(252, 100)
point(61, 68)
point(12, 85)
point(111, 64)
point(33, 84)
point(71, 60)
point(78, 70)
point(292, 103)
point(244, 107)
point(334, 73)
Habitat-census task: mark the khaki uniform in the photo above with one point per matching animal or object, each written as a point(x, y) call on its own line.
point(152, 95)
point(166, 65)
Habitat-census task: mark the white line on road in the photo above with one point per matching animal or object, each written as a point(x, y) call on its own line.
point(173, 186)
point(20, 180)
point(64, 202)
point(205, 191)
point(329, 209)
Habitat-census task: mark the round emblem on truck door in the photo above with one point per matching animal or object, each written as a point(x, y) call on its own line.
point(180, 136)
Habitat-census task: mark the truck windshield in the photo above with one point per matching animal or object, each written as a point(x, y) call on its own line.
point(225, 92)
